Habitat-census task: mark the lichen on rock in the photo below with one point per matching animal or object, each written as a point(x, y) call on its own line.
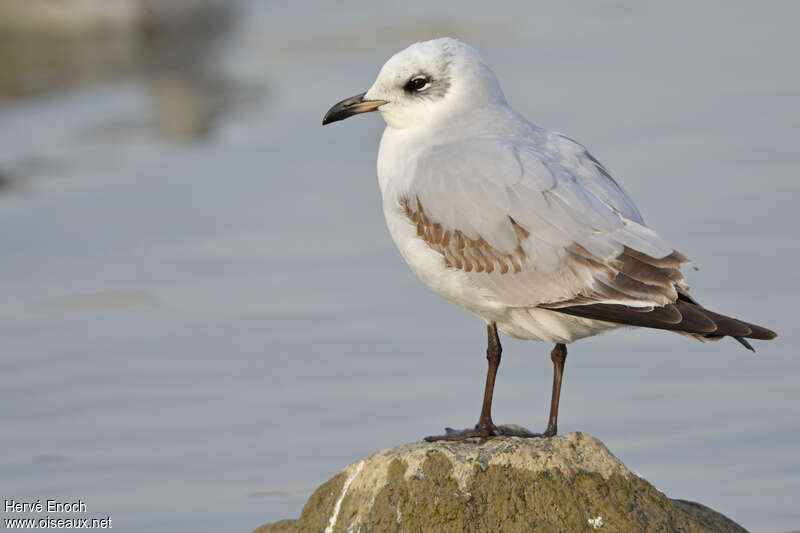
point(566, 483)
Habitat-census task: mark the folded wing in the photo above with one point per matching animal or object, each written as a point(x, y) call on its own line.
point(538, 224)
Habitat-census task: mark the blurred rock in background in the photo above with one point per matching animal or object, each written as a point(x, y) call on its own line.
point(71, 18)
point(48, 45)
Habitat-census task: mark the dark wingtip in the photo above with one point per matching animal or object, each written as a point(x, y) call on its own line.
point(761, 333)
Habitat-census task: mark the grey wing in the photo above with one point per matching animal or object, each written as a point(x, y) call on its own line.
point(592, 174)
point(538, 225)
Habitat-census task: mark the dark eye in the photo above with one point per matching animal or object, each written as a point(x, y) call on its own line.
point(417, 83)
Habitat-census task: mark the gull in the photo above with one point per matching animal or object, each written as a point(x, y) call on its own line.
point(519, 225)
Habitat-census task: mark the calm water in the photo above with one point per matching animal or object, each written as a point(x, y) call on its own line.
point(198, 333)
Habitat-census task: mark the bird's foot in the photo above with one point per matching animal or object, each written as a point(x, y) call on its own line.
point(487, 431)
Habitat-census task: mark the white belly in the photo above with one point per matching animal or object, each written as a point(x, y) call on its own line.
point(530, 323)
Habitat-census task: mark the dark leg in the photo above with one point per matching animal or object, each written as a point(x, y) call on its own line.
point(559, 357)
point(493, 353)
point(485, 427)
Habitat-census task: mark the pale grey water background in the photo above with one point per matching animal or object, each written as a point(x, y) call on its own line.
point(195, 335)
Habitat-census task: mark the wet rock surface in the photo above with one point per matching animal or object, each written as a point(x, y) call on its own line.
point(567, 483)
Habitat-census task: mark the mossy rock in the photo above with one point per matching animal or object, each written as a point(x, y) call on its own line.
point(565, 484)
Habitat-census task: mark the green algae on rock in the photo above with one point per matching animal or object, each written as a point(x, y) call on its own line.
point(566, 483)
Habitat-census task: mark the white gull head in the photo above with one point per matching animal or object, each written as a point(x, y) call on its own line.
point(431, 80)
point(425, 85)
